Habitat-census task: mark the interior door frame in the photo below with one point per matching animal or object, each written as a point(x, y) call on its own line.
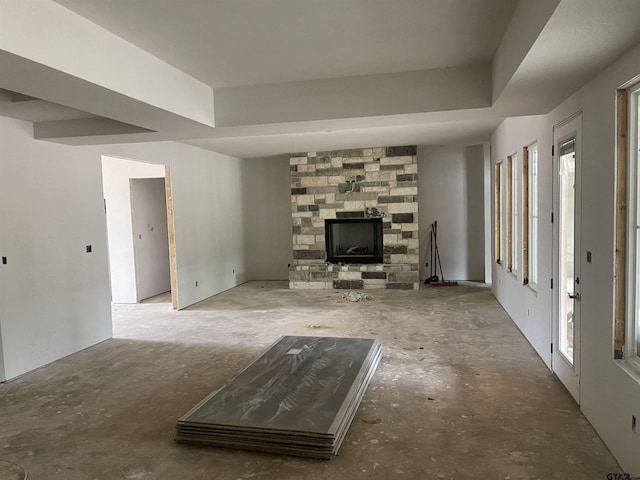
point(170, 220)
point(173, 266)
point(567, 373)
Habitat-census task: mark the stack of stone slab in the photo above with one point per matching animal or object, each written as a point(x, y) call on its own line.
point(297, 398)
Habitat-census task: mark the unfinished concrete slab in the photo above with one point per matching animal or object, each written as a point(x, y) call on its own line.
point(459, 394)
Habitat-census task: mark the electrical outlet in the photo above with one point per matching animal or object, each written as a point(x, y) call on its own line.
point(88, 248)
point(4, 260)
point(196, 283)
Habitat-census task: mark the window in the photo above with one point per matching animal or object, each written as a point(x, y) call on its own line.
point(627, 241)
point(628, 333)
point(530, 216)
point(498, 213)
point(512, 213)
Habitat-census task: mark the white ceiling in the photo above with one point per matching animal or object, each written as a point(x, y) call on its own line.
point(35, 110)
point(581, 38)
point(289, 56)
point(250, 42)
point(467, 127)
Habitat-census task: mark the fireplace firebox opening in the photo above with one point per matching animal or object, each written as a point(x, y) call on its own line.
point(354, 240)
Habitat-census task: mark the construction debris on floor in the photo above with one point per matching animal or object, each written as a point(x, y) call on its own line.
point(356, 297)
point(297, 398)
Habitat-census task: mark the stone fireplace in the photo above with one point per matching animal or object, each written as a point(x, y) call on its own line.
point(355, 219)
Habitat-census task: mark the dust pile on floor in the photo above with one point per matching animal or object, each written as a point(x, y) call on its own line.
point(355, 297)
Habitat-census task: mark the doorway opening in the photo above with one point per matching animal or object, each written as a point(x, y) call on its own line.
point(138, 208)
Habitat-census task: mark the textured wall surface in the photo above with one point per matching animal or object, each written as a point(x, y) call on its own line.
point(356, 183)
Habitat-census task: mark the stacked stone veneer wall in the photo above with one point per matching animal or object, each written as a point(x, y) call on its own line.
point(355, 183)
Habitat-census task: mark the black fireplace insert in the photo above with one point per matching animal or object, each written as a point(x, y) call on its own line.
point(354, 240)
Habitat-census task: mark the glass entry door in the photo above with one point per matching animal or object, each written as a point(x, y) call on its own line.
point(567, 294)
point(566, 318)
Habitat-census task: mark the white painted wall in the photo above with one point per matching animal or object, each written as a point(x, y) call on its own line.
point(267, 203)
point(208, 203)
point(609, 396)
point(529, 309)
point(116, 173)
point(451, 191)
point(150, 236)
point(267, 216)
point(2, 371)
point(55, 297)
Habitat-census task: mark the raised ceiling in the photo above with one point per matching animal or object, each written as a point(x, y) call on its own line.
point(227, 43)
point(253, 78)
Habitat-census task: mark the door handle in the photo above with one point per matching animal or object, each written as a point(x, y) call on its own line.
point(575, 296)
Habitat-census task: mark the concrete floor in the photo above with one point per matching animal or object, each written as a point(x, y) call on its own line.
point(459, 393)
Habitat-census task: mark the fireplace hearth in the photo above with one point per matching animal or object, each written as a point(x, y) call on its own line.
point(354, 240)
